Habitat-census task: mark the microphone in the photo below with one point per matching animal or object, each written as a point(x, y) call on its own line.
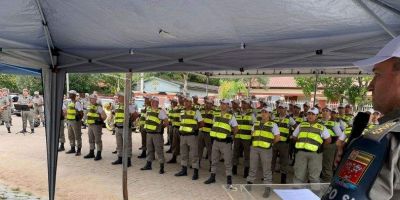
point(359, 124)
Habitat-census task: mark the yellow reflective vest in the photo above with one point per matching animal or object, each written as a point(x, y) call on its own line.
point(309, 137)
point(329, 125)
point(92, 115)
point(174, 115)
point(262, 135)
point(245, 124)
point(208, 120)
point(221, 128)
point(188, 123)
point(71, 111)
point(283, 125)
point(153, 124)
point(142, 119)
point(119, 115)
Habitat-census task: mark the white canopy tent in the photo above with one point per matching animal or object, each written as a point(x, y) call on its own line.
point(259, 37)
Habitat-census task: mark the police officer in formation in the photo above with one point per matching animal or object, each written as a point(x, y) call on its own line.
point(119, 117)
point(142, 122)
point(265, 134)
point(38, 107)
point(4, 106)
point(27, 114)
point(156, 121)
point(310, 137)
point(245, 118)
point(95, 120)
point(223, 131)
point(175, 130)
point(73, 113)
point(207, 113)
point(190, 123)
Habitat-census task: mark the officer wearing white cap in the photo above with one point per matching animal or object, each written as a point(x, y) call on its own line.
point(285, 124)
point(306, 107)
point(328, 155)
point(142, 121)
point(265, 134)
point(73, 113)
point(95, 120)
point(379, 148)
point(119, 119)
point(176, 137)
point(310, 137)
point(224, 128)
point(207, 114)
point(242, 142)
point(38, 106)
point(156, 121)
point(191, 121)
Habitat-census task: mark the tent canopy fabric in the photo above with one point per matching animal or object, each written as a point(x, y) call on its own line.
point(179, 35)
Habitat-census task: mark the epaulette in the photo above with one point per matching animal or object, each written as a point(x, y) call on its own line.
point(380, 131)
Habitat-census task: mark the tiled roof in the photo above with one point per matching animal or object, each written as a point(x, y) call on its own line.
point(282, 82)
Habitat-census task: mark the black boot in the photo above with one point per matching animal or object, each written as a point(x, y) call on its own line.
point(143, 155)
point(32, 130)
point(61, 148)
point(114, 152)
point(195, 174)
point(183, 172)
point(161, 168)
point(147, 166)
point(267, 192)
point(118, 161)
point(234, 170)
point(8, 130)
point(23, 131)
point(71, 151)
point(113, 132)
point(129, 162)
point(229, 180)
point(98, 156)
point(78, 152)
point(173, 160)
point(245, 172)
point(283, 178)
point(90, 155)
point(248, 186)
point(211, 179)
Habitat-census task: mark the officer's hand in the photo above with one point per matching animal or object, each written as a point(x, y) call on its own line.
point(339, 153)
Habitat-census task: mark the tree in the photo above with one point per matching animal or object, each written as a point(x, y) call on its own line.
point(9, 81)
point(230, 88)
point(32, 83)
point(307, 84)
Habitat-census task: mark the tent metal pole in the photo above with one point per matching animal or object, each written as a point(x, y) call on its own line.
point(384, 5)
point(315, 87)
point(24, 50)
point(126, 130)
point(377, 19)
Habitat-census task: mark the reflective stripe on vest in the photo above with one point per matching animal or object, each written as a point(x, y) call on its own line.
point(329, 125)
point(309, 137)
point(119, 115)
point(283, 125)
point(245, 123)
point(174, 116)
point(153, 123)
point(208, 121)
point(71, 111)
point(262, 135)
point(221, 128)
point(142, 119)
point(299, 120)
point(92, 115)
point(188, 123)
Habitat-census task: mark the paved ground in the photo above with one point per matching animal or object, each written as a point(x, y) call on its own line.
point(23, 165)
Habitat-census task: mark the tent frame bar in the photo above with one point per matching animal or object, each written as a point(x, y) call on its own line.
point(376, 18)
point(386, 6)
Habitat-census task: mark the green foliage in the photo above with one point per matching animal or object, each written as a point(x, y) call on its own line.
point(33, 83)
point(230, 88)
point(354, 90)
point(9, 81)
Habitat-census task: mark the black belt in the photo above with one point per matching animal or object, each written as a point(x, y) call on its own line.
point(305, 150)
point(121, 127)
point(226, 140)
point(188, 134)
point(175, 126)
